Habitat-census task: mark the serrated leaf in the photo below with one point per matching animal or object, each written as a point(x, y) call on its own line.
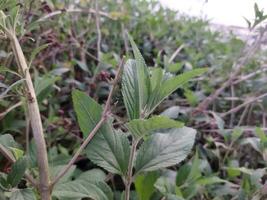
point(172, 84)
point(140, 127)
point(17, 171)
point(108, 149)
point(135, 84)
point(22, 194)
point(85, 186)
point(168, 85)
point(165, 149)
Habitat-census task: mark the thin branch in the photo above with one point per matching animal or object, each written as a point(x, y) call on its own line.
point(176, 53)
point(248, 76)
point(35, 119)
point(252, 100)
point(232, 117)
point(97, 21)
point(91, 135)
point(237, 67)
point(10, 109)
point(77, 10)
point(231, 129)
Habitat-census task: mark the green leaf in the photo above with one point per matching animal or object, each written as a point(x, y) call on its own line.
point(17, 171)
point(165, 149)
point(156, 78)
point(42, 83)
point(172, 84)
point(8, 141)
point(82, 65)
point(55, 170)
point(135, 84)
point(144, 185)
point(165, 185)
point(140, 127)
point(85, 186)
point(22, 194)
point(210, 180)
point(88, 112)
point(108, 149)
point(36, 51)
point(167, 85)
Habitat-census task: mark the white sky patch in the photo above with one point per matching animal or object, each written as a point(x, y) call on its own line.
point(228, 12)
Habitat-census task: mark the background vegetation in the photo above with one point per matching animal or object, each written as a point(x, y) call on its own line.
point(78, 44)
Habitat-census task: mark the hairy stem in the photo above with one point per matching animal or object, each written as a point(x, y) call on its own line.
point(35, 119)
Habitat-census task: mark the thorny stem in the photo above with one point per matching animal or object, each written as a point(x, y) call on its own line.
point(91, 135)
point(35, 119)
point(129, 179)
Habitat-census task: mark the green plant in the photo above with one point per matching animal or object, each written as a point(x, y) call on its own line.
point(150, 149)
point(156, 142)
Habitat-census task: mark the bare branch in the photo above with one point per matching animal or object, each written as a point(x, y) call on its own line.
point(77, 10)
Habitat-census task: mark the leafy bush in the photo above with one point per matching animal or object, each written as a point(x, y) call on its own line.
point(134, 143)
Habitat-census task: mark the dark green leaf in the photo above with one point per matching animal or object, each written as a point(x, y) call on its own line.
point(108, 149)
point(17, 171)
point(165, 149)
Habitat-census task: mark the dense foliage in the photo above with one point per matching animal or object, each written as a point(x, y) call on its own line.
point(74, 46)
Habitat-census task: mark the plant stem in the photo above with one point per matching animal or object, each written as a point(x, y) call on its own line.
point(129, 178)
point(35, 119)
point(91, 135)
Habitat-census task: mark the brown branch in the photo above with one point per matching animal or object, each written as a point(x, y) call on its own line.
point(35, 118)
point(91, 135)
point(237, 67)
point(251, 100)
point(97, 21)
point(10, 109)
point(77, 10)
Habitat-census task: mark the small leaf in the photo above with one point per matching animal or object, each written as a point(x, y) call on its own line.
point(135, 84)
point(169, 85)
point(36, 51)
point(17, 171)
point(144, 185)
point(82, 65)
point(140, 127)
point(108, 149)
point(42, 83)
point(22, 194)
point(165, 149)
point(174, 83)
point(85, 186)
